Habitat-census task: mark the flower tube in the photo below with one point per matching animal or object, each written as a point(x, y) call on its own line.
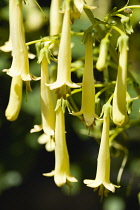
point(102, 179)
point(55, 17)
point(15, 99)
point(63, 82)
point(61, 172)
point(55, 23)
point(47, 105)
point(119, 100)
point(88, 89)
point(20, 63)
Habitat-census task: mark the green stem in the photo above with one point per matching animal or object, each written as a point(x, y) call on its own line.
point(118, 30)
point(131, 7)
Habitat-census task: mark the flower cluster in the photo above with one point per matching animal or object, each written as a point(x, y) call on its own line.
point(58, 91)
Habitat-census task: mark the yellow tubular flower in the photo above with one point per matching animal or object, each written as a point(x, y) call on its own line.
point(63, 82)
point(62, 166)
point(119, 100)
point(20, 63)
point(55, 17)
point(14, 105)
point(88, 89)
point(102, 179)
point(47, 104)
point(55, 23)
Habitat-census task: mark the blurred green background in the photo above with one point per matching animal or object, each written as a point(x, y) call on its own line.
point(23, 160)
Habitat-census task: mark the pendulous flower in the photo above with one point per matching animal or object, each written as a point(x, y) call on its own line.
point(55, 17)
point(63, 82)
point(55, 23)
point(88, 89)
point(120, 116)
point(15, 99)
point(47, 104)
point(102, 179)
point(61, 172)
point(20, 63)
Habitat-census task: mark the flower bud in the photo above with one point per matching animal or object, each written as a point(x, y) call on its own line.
point(103, 52)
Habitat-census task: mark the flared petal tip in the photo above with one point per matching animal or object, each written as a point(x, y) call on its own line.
point(50, 146)
point(58, 84)
point(89, 118)
point(77, 113)
point(95, 184)
point(54, 85)
point(92, 183)
point(72, 179)
point(89, 122)
point(111, 187)
point(73, 85)
point(12, 73)
point(7, 47)
point(31, 55)
point(49, 174)
point(61, 180)
point(35, 78)
point(24, 77)
point(48, 141)
point(88, 181)
point(36, 128)
point(43, 138)
point(48, 131)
